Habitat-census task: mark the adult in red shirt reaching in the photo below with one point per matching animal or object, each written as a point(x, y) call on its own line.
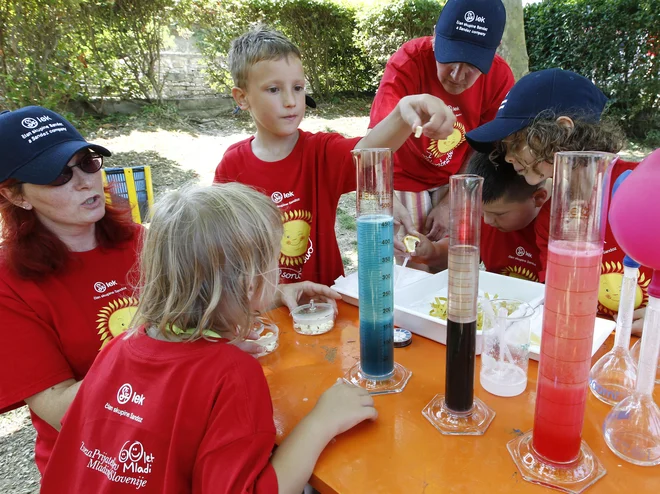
point(458, 65)
point(64, 259)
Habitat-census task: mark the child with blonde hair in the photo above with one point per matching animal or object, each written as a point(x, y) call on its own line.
point(174, 406)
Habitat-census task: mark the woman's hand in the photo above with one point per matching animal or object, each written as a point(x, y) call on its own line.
point(295, 294)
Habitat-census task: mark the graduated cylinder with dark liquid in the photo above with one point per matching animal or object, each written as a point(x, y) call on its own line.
point(463, 290)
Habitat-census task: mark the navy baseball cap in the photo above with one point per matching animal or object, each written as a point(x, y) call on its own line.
point(561, 91)
point(470, 31)
point(37, 144)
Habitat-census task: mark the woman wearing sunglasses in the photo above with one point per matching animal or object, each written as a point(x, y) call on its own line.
point(64, 259)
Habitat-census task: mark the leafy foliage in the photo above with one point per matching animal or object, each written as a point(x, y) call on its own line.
point(39, 54)
point(384, 28)
point(615, 43)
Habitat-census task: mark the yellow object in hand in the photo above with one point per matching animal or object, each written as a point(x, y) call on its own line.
point(410, 242)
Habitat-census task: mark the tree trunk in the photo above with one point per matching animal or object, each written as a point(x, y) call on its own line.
point(513, 48)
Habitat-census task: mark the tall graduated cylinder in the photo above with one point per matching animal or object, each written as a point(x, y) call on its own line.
point(463, 288)
point(577, 227)
point(375, 231)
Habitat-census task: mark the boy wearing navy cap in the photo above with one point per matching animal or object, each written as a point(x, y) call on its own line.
point(545, 112)
point(458, 65)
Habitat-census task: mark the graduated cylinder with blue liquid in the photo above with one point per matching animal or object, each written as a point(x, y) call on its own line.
point(376, 371)
point(375, 272)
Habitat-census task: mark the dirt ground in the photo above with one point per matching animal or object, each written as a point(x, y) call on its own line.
point(181, 150)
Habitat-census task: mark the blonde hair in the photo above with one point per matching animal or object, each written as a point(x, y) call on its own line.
point(205, 248)
point(545, 136)
point(258, 44)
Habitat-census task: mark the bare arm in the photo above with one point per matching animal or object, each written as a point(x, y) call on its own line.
point(52, 403)
point(340, 408)
point(429, 112)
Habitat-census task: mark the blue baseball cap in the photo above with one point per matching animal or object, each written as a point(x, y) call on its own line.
point(470, 31)
point(37, 144)
point(561, 91)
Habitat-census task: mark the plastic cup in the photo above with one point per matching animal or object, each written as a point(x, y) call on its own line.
point(506, 336)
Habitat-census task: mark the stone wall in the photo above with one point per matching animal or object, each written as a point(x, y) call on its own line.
point(183, 69)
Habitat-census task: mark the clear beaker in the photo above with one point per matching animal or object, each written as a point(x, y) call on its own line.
point(506, 332)
point(458, 411)
point(553, 453)
point(376, 371)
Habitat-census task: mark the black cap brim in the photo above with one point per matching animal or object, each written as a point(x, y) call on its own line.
point(309, 101)
point(484, 137)
point(46, 167)
point(456, 51)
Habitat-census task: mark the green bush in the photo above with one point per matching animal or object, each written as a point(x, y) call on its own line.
point(615, 43)
point(384, 28)
point(122, 42)
point(215, 24)
point(39, 61)
point(322, 30)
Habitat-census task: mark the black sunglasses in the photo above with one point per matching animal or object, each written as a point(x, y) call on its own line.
point(89, 163)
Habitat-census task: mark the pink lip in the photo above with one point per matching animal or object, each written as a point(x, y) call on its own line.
point(290, 117)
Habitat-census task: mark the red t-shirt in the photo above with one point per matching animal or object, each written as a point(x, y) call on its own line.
point(423, 163)
point(612, 263)
point(511, 253)
point(53, 328)
point(167, 418)
point(306, 186)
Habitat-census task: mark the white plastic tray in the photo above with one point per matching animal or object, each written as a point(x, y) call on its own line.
point(348, 286)
point(413, 303)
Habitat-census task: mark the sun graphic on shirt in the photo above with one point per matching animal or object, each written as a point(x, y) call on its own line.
point(296, 226)
point(519, 272)
point(609, 288)
point(115, 318)
point(443, 146)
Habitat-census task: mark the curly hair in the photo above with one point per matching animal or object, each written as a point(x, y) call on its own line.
point(545, 137)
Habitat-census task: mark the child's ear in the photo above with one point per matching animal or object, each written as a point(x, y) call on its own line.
point(566, 122)
point(540, 196)
point(240, 97)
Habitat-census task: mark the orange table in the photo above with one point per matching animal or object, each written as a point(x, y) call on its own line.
point(401, 452)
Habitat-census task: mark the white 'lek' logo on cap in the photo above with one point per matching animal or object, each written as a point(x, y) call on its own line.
point(471, 17)
point(29, 123)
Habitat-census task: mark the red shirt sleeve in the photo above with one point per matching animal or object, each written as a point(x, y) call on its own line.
point(542, 230)
point(31, 359)
point(337, 168)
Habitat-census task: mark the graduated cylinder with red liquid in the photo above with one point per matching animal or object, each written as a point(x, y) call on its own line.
point(577, 228)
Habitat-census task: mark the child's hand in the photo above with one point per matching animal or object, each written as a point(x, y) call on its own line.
point(342, 407)
point(295, 294)
point(436, 118)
